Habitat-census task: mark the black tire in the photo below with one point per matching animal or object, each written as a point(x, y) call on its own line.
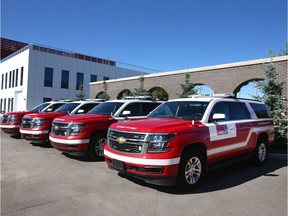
point(96, 147)
point(192, 169)
point(261, 152)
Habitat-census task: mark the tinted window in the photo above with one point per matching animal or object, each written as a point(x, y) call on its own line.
point(134, 108)
point(219, 108)
point(79, 81)
point(188, 110)
point(260, 110)
point(67, 108)
point(54, 107)
point(106, 108)
point(40, 107)
point(238, 111)
point(148, 107)
point(87, 107)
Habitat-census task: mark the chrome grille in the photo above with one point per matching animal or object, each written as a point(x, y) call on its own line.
point(26, 122)
point(127, 142)
point(59, 129)
point(5, 119)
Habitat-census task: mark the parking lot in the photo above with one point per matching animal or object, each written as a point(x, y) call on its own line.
point(38, 180)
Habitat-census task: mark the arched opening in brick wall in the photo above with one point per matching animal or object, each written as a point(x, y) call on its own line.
point(159, 93)
point(248, 89)
point(124, 93)
point(99, 95)
point(203, 89)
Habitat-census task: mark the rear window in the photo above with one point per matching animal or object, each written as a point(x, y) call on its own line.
point(260, 110)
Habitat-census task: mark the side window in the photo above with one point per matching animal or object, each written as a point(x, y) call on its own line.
point(219, 108)
point(87, 107)
point(260, 110)
point(55, 106)
point(148, 107)
point(238, 111)
point(134, 108)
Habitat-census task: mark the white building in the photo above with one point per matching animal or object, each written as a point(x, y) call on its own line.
point(35, 74)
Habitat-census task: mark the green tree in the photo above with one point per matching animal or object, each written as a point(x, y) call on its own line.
point(104, 94)
point(272, 97)
point(280, 53)
point(141, 91)
point(80, 95)
point(160, 94)
point(188, 88)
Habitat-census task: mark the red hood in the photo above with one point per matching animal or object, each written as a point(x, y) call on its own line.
point(45, 115)
point(20, 113)
point(159, 125)
point(83, 118)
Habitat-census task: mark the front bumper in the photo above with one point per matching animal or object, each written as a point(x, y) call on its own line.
point(35, 134)
point(10, 129)
point(70, 145)
point(150, 169)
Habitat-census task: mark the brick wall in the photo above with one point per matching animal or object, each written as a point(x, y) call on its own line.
point(228, 78)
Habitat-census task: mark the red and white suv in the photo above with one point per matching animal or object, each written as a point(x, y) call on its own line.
point(37, 126)
point(11, 121)
point(182, 138)
point(86, 134)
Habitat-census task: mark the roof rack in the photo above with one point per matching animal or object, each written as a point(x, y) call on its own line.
point(220, 95)
point(144, 97)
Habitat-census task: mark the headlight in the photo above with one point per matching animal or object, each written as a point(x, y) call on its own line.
point(158, 142)
point(37, 122)
point(13, 118)
point(74, 129)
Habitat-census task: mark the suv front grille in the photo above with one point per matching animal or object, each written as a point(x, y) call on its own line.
point(127, 142)
point(5, 119)
point(59, 129)
point(26, 122)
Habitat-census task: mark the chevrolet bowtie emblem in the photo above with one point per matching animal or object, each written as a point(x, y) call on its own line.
point(121, 140)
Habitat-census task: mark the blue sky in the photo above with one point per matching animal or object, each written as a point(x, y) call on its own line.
point(163, 35)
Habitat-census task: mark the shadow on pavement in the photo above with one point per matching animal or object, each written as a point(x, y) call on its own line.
point(226, 177)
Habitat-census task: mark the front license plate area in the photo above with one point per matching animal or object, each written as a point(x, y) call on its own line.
point(119, 165)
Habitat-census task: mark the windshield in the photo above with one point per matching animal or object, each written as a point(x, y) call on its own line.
point(40, 107)
point(67, 108)
point(187, 110)
point(107, 108)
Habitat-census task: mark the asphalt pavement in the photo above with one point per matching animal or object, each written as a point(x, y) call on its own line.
point(37, 180)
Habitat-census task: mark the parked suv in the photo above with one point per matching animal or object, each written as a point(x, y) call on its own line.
point(84, 134)
point(180, 139)
point(37, 126)
point(11, 121)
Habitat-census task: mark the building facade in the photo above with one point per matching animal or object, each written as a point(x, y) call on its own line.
point(34, 74)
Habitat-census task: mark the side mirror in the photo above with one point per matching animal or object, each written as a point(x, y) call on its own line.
point(219, 116)
point(80, 111)
point(126, 113)
point(49, 110)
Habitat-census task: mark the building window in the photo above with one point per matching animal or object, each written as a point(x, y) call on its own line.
point(21, 76)
point(13, 78)
point(6, 79)
point(47, 100)
point(79, 80)
point(48, 77)
point(12, 104)
point(93, 78)
point(105, 78)
point(10, 79)
point(1, 103)
point(65, 79)
point(4, 105)
point(16, 78)
point(2, 82)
